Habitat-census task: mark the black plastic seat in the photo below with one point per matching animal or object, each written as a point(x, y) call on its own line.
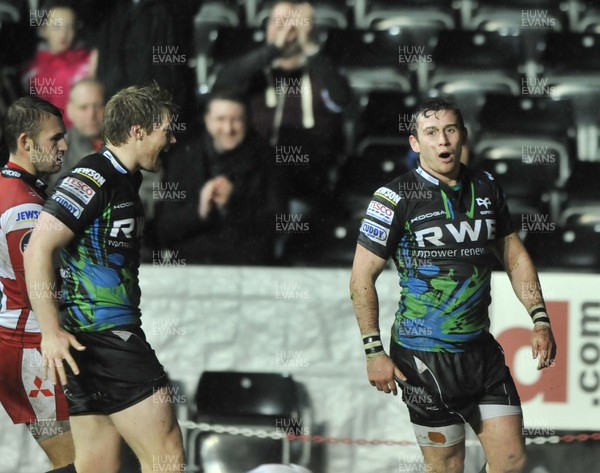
point(371, 59)
point(571, 68)
point(385, 118)
point(538, 130)
point(468, 65)
point(259, 401)
point(510, 16)
point(586, 16)
point(412, 14)
point(225, 43)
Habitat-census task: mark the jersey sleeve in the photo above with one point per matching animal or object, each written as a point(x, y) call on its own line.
point(381, 228)
point(79, 198)
point(504, 223)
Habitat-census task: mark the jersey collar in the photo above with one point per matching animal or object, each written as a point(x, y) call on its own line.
point(436, 182)
point(113, 160)
point(12, 170)
point(425, 175)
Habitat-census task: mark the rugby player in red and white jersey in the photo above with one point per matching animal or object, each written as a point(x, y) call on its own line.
point(35, 137)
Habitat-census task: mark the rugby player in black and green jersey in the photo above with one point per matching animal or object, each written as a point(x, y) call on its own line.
point(443, 225)
point(113, 381)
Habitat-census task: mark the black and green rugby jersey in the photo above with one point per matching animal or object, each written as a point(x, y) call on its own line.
point(98, 200)
point(441, 240)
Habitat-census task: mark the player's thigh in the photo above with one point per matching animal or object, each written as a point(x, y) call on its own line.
point(97, 444)
point(502, 440)
point(150, 427)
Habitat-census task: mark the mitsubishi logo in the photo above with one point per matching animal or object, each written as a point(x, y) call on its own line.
point(38, 384)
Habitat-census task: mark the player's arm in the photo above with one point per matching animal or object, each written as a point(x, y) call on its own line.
point(525, 282)
point(366, 269)
point(49, 235)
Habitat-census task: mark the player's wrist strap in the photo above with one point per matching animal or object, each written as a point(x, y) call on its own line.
point(539, 316)
point(372, 344)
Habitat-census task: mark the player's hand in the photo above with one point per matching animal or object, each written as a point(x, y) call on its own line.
point(222, 191)
point(205, 203)
point(305, 21)
point(543, 346)
point(55, 349)
point(285, 37)
point(382, 371)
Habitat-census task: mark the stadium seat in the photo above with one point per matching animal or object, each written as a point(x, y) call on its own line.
point(225, 44)
point(528, 120)
point(573, 244)
point(381, 150)
point(219, 12)
point(528, 115)
point(487, 57)
point(527, 143)
point(385, 118)
point(260, 401)
point(361, 175)
point(469, 65)
point(513, 16)
point(586, 16)
point(528, 166)
point(571, 70)
point(528, 170)
point(581, 188)
point(212, 16)
point(572, 55)
point(371, 60)
point(383, 14)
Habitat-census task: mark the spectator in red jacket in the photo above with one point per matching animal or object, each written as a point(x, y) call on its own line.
point(58, 63)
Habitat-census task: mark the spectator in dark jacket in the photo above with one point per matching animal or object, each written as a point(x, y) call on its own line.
point(297, 96)
point(218, 202)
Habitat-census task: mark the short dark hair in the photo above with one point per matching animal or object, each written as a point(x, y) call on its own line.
point(135, 105)
point(25, 115)
point(232, 95)
point(431, 106)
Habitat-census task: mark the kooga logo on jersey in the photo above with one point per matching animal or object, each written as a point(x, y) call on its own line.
point(374, 232)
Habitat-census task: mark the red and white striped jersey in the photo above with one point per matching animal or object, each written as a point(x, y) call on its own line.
point(21, 199)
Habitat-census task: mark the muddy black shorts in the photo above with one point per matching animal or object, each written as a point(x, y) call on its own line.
point(454, 388)
point(117, 369)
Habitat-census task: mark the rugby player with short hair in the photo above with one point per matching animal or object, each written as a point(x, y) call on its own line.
point(35, 137)
point(113, 381)
point(444, 224)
